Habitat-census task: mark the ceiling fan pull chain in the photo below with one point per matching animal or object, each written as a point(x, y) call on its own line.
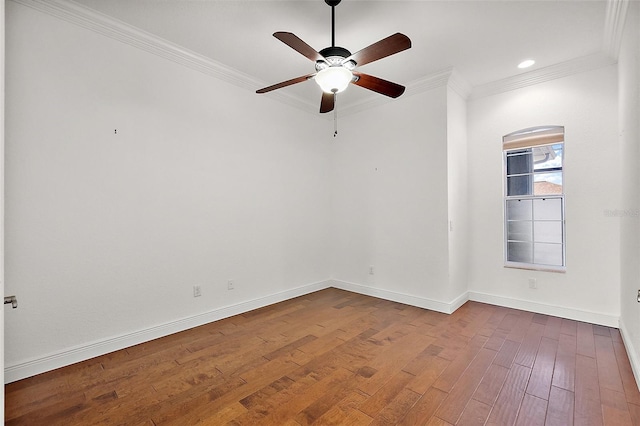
point(335, 114)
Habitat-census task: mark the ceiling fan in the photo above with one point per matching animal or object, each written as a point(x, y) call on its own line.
point(335, 66)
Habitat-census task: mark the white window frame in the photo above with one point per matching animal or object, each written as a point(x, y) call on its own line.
point(524, 139)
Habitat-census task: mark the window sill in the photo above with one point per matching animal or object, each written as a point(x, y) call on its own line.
point(531, 267)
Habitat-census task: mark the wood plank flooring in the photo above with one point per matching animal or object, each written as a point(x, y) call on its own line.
point(339, 358)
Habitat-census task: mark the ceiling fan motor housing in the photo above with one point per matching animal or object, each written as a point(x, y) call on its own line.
point(328, 52)
point(334, 57)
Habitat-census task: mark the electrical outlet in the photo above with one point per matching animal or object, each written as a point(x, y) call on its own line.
point(371, 270)
point(638, 296)
point(533, 283)
point(230, 285)
point(197, 291)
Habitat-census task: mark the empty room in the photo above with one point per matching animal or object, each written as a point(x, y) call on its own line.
point(321, 212)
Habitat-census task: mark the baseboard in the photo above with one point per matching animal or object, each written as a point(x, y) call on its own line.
point(632, 351)
point(90, 350)
point(407, 299)
point(541, 308)
point(93, 349)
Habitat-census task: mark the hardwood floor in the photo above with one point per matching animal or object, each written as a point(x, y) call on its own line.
point(334, 357)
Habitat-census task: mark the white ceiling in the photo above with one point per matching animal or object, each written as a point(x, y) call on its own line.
point(482, 40)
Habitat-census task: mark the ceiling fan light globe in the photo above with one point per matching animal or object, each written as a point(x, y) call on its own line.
point(334, 79)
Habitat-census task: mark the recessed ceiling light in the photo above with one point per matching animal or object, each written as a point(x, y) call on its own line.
point(526, 64)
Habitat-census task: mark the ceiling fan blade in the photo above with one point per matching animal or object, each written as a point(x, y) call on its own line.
point(286, 83)
point(387, 46)
point(294, 42)
point(384, 87)
point(328, 101)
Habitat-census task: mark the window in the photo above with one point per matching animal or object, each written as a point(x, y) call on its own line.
point(534, 198)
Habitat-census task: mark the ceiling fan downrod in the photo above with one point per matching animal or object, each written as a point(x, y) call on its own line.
point(333, 55)
point(333, 4)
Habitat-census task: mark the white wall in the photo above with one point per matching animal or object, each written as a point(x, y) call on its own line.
point(2, 112)
point(586, 104)
point(206, 182)
point(107, 233)
point(457, 194)
point(629, 101)
point(390, 200)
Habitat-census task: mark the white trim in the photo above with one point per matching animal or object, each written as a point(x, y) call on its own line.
point(458, 302)
point(407, 299)
point(449, 77)
point(428, 82)
point(424, 84)
point(79, 353)
point(108, 26)
point(614, 26)
point(543, 308)
point(459, 85)
point(83, 352)
point(354, 107)
point(535, 266)
point(542, 75)
point(632, 352)
point(115, 29)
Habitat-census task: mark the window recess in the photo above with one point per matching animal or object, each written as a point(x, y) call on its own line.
point(534, 199)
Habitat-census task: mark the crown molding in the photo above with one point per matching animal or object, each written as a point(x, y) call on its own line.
point(448, 77)
point(429, 82)
point(612, 37)
point(90, 19)
point(542, 75)
point(370, 101)
point(614, 22)
point(108, 26)
point(424, 84)
point(288, 99)
point(459, 84)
